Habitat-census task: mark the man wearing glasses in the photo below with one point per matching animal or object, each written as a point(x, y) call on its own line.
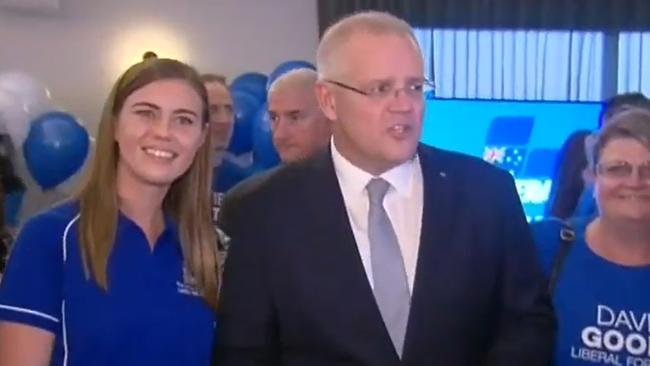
point(380, 250)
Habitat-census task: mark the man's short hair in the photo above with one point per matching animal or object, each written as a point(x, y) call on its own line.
point(302, 78)
point(621, 102)
point(365, 22)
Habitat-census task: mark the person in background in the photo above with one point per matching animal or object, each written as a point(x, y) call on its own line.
point(126, 272)
point(599, 276)
point(611, 106)
point(380, 250)
point(4, 245)
point(149, 55)
point(620, 102)
point(10, 186)
point(6, 238)
point(568, 177)
point(298, 126)
point(226, 173)
point(222, 117)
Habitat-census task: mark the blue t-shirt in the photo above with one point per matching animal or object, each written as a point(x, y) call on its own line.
point(603, 309)
point(150, 315)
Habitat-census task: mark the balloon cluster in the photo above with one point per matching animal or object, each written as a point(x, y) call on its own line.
point(51, 145)
point(252, 130)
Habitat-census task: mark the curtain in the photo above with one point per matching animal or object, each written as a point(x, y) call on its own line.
point(515, 65)
point(501, 14)
point(633, 54)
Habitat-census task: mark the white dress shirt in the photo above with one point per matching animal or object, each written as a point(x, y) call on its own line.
point(403, 203)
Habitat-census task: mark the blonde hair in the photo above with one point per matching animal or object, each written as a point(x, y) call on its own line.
point(365, 22)
point(632, 122)
point(188, 201)
point(302, 78)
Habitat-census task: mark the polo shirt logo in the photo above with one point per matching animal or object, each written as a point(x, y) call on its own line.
point(188, 286)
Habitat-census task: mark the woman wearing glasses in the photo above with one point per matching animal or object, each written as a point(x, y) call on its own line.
point(600, 276)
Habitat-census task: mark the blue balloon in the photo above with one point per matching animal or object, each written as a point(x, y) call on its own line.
point(56, 148)
point(287, 66)
point(253, 83)
point(245, 106)
point(264, 154)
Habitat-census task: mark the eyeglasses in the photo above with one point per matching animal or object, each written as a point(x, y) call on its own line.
point(623, 169)
point(383, 90)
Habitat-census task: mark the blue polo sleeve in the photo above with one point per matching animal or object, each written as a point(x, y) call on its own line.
point(31, 287)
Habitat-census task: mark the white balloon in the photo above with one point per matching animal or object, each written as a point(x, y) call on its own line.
point(14, 118)
point(33, 95)
point(22, 98)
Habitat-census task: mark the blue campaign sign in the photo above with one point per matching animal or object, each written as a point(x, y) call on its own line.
point(520, 137)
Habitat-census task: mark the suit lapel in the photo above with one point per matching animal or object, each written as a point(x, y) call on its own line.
point(334, 244)
point(437, 215)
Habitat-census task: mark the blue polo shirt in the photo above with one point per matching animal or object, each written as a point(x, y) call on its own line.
point(150, 315)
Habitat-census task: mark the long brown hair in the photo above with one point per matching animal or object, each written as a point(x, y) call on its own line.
point(187, 202)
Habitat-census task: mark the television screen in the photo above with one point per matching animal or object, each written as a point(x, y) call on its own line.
point(521, 137)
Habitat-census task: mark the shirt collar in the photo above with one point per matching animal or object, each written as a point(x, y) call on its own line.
point(354, 178)
point(126, 223)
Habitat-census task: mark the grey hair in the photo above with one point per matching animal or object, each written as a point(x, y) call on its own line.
point(303, 78)
point(365, 22)
point(633, 123)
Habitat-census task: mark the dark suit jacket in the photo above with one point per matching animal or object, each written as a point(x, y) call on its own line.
point(295, 291)
point(230, 205)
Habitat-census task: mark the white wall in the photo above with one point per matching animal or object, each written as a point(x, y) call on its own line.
point(79, 51)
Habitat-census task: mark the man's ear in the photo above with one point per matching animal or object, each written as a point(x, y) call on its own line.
point(326, 100)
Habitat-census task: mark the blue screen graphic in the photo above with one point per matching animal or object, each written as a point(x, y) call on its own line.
point(521, 137)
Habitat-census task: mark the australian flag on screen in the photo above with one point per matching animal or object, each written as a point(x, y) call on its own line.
point(510, 158)
point(506, 142)
point(508, 146)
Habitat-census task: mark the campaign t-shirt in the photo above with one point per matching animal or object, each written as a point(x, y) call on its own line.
point(603, 311)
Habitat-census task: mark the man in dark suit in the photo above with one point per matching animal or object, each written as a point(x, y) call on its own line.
point(379, 250)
